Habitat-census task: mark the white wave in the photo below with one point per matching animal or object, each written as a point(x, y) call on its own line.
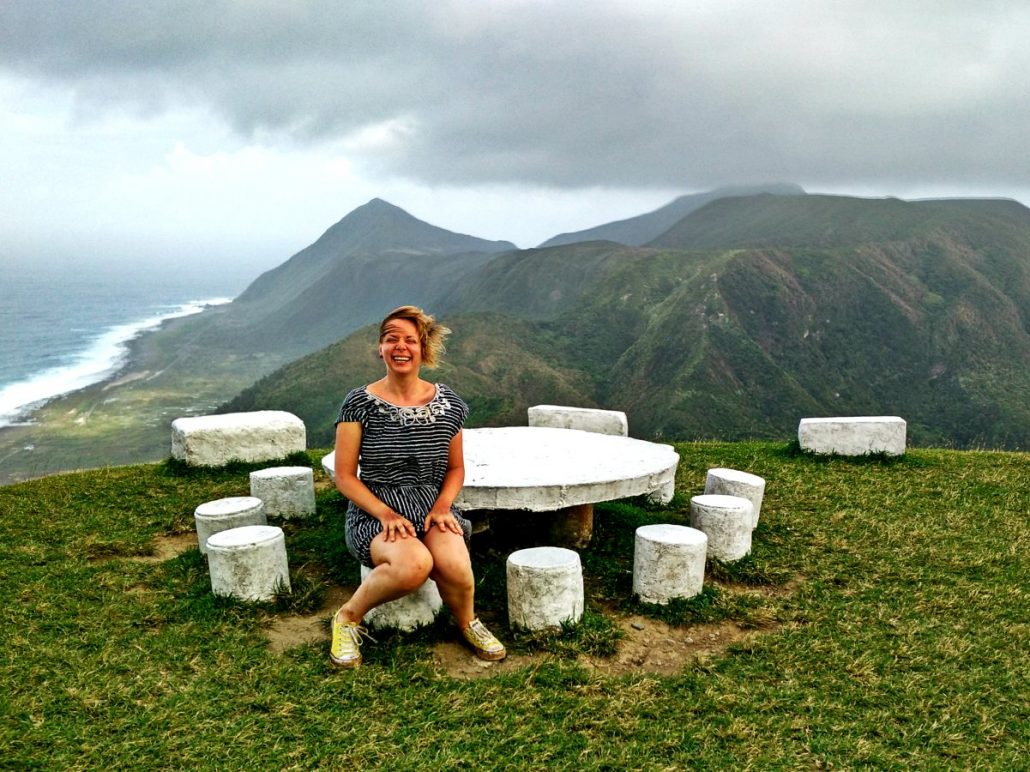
point(103, 356)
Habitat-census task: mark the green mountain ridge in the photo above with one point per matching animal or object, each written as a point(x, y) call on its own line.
point(917, 309)
point(639, 230)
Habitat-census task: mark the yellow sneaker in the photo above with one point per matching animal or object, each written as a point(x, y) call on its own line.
point(346, 648)
point(483, 642)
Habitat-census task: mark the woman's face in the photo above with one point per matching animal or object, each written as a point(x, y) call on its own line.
point(400, 348)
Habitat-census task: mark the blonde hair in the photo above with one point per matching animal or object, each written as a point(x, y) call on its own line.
point(431, 333)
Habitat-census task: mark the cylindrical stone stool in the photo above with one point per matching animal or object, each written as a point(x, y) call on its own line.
point(212, 517)
point(414, 610)
point(668, 562)
point(288, 491)
point(726, 520)
point(730, 482)
point(545, 587)
point(248, 563)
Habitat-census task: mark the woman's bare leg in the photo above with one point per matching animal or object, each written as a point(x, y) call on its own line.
point(452, 572)
point(402, 566)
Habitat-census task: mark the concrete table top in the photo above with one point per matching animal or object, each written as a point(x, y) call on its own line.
point(541, 469)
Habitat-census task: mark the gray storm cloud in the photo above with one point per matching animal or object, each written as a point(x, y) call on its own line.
point(571, 94)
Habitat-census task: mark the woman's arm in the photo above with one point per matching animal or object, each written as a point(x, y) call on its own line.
point(453, 479)
point(348, 444)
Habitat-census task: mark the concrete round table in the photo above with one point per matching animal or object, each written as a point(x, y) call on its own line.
point(566, 471)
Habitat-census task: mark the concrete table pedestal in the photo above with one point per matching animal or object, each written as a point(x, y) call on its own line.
point(545, 588)
point(726, 521)
point(412, 611)
point(288, 491)
point(668, 562)
point(248, 563)
point(730, 482)
point(212, 517)
point(572, 527)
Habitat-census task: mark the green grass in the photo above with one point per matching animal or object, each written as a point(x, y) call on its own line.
point(888, 598)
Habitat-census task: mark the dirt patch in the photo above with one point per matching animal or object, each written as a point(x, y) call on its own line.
point(291, 630)
point(168, 547)
point(649, 645)
point(457, 661)
point(655, 647)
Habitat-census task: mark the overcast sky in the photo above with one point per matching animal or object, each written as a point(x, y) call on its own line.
point(239, 131)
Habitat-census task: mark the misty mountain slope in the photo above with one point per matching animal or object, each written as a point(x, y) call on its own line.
point(378, 229)
point(639, 230)
point(375, 258)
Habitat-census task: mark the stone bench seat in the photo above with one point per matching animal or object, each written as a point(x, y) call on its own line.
point(585, 419)
point(215, 440)
point(545, 588)
point(853, 436)
point(408, 613)
point(668, 562)
point(249, 563)
point(287, 491)
point(219, 515)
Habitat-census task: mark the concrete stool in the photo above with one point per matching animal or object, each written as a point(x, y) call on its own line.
point(730, 482)
point(668, 562)
point(214, 440)
point(853, 435)
point(545, 587)
point(726, 520)
point(288, 491)
point(583, 418)
point(415, 610)
point(248, 563)
point(212, 517)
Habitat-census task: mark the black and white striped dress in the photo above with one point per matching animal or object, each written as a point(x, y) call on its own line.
point(402, 458)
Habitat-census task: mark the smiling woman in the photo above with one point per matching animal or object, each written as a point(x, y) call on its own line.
point(405, 433)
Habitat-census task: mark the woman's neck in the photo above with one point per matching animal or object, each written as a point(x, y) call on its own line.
point(404, 390)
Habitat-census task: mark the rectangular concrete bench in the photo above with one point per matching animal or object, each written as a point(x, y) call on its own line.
point(214, 440)
point(585, 419)
point(853, 436)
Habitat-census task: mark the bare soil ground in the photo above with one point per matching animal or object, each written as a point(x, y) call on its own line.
point(649, 645)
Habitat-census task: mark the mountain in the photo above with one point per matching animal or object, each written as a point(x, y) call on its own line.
point(746, 315)
point(375, 258)
point(639, 230)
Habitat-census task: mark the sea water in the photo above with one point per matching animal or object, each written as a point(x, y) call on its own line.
point(63, 327)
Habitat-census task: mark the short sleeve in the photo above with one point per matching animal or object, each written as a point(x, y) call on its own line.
point(458, 405)
point(354, 408)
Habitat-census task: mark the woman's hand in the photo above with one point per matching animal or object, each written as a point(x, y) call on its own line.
point(445, 521)
point(396, 527)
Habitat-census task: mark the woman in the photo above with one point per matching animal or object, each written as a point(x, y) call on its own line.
point(406, 433)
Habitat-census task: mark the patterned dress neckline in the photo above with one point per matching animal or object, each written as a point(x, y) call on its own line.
point(408, 415)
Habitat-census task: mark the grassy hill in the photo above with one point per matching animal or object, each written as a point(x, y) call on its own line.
point(880, 622)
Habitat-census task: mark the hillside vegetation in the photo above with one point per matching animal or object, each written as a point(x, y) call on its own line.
point(746, 316)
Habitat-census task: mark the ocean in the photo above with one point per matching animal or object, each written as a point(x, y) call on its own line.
point(63, 327)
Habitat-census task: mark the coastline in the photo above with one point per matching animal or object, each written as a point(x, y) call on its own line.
point(125, 417)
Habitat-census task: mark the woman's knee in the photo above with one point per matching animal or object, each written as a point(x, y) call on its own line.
point(451, 562)
point(409, 564)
